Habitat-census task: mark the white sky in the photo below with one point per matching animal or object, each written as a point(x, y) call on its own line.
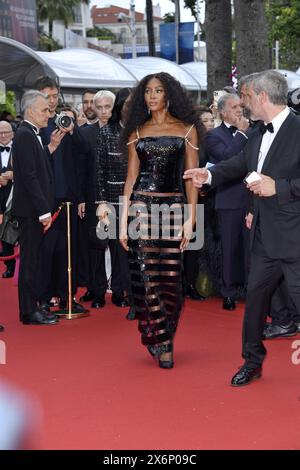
point(166, 7)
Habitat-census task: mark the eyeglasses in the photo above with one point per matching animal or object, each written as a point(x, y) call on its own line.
point(5, 132)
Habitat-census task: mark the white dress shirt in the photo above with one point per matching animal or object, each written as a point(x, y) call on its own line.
point(268, 137)
point(266, 142)
point(5, 154)
point(36, 131)
point(234, 134)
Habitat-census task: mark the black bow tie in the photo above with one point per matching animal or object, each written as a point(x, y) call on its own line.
point(2, 149)
point(232, 129)
point(36, 130)
point(266, 127)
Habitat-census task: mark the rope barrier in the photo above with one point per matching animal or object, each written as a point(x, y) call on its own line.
point(8, 258)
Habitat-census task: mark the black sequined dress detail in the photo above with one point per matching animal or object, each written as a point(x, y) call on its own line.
point(155, 258)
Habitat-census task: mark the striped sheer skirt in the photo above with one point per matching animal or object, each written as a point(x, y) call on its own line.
point(155, 260)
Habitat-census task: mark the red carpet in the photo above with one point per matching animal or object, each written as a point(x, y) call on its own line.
point(100, 389)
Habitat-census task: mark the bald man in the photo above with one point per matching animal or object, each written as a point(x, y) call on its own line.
point(6, 176)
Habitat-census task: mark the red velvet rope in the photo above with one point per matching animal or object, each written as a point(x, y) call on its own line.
point(14, 256)
point(17, 253)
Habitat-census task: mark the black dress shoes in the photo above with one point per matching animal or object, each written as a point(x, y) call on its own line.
point(8, 273)
point(245, 375)
point(87, 297)
point(131, 314)
point(228, 303)
point(279, 331)
point(119, 300)
point(192, 293)
point(98, 302)
point(44, 306)
point(1, 328)
point(162, 350)
point(76, 307)
point(39, 318)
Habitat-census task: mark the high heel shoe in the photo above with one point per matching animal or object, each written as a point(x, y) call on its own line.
point(166, 364)
point(169, 363)
point(152, 350)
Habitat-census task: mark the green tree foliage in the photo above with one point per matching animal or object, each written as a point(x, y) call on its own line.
point(100, 33)
point(192, 5)
point(9, 105)
point(169, 18)
point(57, 10)
point(284, 26)
point(46, 43)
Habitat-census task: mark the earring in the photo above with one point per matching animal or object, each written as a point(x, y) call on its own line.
point(149, 111)
point(168, 104)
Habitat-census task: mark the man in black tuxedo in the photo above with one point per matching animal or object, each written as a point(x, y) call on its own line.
point(53, 263)
point(232, 199)
point(6, 175)
point(33, 199)
point(273, 158)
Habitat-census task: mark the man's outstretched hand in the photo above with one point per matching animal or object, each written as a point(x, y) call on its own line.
point(198, 175)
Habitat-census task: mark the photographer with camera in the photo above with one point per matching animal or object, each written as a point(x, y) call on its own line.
point(53, 257)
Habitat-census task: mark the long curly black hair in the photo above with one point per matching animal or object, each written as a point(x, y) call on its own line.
point(121, 97)
point(180, 105)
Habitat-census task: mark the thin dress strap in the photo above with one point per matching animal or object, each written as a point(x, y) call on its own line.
point(137, 137)
point(187, 140)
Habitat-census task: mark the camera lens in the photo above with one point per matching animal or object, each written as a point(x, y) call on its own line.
point(62, 120)
point(65, 121)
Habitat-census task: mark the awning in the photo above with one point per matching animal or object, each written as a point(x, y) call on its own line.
point(74, 68)
point(199, 71)
point(143, 66)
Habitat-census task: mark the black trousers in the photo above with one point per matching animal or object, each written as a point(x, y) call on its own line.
point(53, 262)
point(120, 276)
point(8, 250)
point(283, 310)
point(234, 242)
point(31, 236)
point(95, 272)
point(264, 276)
point(190, 266)
point(83, 262)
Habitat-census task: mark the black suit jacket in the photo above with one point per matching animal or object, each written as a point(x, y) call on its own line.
point(90, 134)
point(278, 215)
point(68, 151)
point(221, 145)
point(33, 193)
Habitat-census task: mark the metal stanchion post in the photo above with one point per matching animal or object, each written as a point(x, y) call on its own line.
point(68, 314)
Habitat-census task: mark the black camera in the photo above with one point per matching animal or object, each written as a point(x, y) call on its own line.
point(294, 100)
point(63, 120)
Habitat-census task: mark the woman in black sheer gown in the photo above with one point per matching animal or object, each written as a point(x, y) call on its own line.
point(162, 142)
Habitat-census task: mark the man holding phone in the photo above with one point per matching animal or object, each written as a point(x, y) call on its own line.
point(273, 151)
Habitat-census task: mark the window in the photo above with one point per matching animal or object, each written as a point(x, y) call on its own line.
point(139, 35)
point(77, 14)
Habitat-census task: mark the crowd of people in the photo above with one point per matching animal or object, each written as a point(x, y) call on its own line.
point(125, 155)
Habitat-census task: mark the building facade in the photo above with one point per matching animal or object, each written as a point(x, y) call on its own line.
point(116, 19)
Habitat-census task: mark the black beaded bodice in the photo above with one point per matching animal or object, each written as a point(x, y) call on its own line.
point(111, 165)
point(161, 164)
